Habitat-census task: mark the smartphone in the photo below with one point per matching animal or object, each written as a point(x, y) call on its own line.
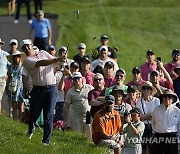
point(159, 59)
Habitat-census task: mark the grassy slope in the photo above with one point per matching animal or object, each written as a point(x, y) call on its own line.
point(14, 140)
point(133, 26)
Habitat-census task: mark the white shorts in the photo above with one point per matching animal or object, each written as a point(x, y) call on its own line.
point(2, 87)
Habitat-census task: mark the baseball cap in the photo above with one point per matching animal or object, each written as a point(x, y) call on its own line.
point(135, 110)
point(26, 42)
point(13, 41)
point(110, 64)
point(86, 58)
point(121, 70)
point(62, 49)
point(82, 46)
point(109, 99)
point(131, 88)
point(103, 47)
point(35, 48)
point(118, 88)
point(150, 52)
point(74, 64)
point(136, 69)
point(76, 75)
point(98, 76)
point(40, 12)
point(155, 72)
point(176, 51)
point(51, 47)
point(104, 37)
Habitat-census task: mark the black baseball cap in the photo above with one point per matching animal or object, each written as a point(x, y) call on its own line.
point(109, 99)
point(74, 65)
point(135, 110)
point(131, 88)
point(86, 58)
point(176, 51)
point(151, 52)
point(136, 69)
point(110, 64)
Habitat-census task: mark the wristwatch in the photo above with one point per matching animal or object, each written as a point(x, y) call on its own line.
point(129, 123)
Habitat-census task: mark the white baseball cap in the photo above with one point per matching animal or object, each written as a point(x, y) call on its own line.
point(103, 47)
point(13, 41)
point(26, 41)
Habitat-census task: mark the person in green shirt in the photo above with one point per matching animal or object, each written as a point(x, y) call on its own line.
point(134, 130)
point(120, 77)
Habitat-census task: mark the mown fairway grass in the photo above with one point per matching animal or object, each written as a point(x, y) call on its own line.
point(13, 139)
point(132, 26)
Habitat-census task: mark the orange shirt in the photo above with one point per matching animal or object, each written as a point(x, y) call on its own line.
point(107, 124)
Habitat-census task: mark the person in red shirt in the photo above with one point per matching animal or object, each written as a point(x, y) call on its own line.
point(175, 61)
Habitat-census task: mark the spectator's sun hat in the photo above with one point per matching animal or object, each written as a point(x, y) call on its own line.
point(1, 42)
point(168, 93)
point(109, 99)
point(13, 41)
point(147, 84)
point(26, 42)
point(82, 46)
point(22, 54)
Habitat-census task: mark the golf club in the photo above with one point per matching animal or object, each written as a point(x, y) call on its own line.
point(77, 13)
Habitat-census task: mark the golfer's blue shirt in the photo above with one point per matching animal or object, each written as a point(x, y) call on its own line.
point(41, 27)
point(4, 63)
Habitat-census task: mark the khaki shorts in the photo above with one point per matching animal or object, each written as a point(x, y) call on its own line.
point(110, 143)
point(2, 87)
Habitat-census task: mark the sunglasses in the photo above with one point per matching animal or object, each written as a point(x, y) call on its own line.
point(146, 88)
point(97, 80)
point(13, 44)
point(121, 76)
point(167, 96)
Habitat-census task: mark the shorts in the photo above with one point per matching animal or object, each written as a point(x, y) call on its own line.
point(132, 150)
point(110, 143)
point(2, 87)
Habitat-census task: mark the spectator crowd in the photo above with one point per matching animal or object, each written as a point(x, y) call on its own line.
point(88, 93)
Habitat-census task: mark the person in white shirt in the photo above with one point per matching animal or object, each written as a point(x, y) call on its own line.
point(103, 58)
point(165, 122)
point(147, 104)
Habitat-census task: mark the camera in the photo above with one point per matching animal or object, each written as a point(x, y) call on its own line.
point(159, 59)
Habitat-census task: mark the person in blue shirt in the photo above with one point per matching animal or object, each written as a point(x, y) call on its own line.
point(4, 63)
point(43, 31)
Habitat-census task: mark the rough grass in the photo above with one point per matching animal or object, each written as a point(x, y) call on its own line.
point(132, 26)
point(13, 140)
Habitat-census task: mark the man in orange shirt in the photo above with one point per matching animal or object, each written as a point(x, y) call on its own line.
point(106, 126)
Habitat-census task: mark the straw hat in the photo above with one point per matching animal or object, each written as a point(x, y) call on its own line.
point(147, 84)
point(169, 92)
point(23, 55)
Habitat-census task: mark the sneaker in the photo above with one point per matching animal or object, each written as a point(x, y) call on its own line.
point(46, 144)
point(30, 21)
point(29, 135)
point(16, 21)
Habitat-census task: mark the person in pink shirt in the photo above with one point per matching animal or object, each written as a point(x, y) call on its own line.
point(85, 70)
point(137, 79)
point(148, 66)
point(165, 78)
point(175, 61)
point(109, 74)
